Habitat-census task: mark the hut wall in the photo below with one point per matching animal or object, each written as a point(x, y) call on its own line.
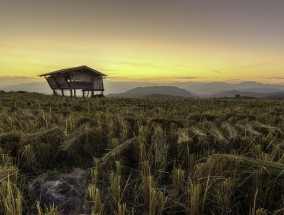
point(98, 84)
point(62, 82)
point(82, 85)
point(52, 83)
point(82, 81)
point(81, 77)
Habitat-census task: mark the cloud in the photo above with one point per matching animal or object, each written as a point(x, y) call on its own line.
point(185, 77)
point(274, 77)
point(216, 71)
point(15, 78)
point(154, 78)
point(235, 79)
point(117, 77)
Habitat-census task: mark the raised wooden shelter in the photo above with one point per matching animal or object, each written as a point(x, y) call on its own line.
point(77, 78)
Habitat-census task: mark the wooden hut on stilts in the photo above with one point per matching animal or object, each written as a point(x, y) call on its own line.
point(77, 78)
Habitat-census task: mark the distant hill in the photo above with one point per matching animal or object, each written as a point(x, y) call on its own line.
point(261, 90)
point(233, 93)
point(154, 92)
point(208, 88)
point(213, 88)
point(278, 95)
point(161, 96)
point(38, 87)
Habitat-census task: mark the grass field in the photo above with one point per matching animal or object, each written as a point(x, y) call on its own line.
point(147, 156)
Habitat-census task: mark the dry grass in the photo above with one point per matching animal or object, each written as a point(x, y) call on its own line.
point(146, 156)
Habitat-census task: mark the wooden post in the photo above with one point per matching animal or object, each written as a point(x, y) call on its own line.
point(83, 93)
point(103, 86)
point(93, 93)
point(71, 93)
point(62, 92)
point(54, 92)
point(75, 93)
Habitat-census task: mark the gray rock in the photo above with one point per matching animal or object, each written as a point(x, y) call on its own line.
point(66, 191)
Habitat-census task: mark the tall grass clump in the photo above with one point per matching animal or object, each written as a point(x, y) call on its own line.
point(41, 148)
point(194, 197)
point(11, 199)
point(158, 151)
point(94, 192)
point(116, 190)
point(49, 210)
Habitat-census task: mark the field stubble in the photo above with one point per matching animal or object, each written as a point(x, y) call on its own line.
point(146, 156)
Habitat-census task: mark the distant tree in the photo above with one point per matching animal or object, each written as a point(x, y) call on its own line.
point(237, 96)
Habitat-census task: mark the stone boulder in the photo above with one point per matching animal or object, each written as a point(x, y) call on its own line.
point(65, 191)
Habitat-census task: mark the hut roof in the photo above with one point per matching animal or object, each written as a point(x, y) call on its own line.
point(75, 69)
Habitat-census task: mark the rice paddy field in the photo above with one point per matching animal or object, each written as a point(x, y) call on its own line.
point(146, 156)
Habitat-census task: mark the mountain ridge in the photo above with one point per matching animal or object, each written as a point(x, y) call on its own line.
point(234, 93)
point(196, 89)
point(166, 91)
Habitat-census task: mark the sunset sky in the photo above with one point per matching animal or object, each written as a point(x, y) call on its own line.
point(149, 40)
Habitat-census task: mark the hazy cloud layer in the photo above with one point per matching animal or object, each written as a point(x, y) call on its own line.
point(11, 78)
point(274, 77)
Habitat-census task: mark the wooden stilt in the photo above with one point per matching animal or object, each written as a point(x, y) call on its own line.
point(62, 92)
point(75, 93)
point(54, 93)
point(83, 93)
point(71, 93)
point(93, 93)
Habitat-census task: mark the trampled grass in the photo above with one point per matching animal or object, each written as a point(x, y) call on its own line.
point(146, 156)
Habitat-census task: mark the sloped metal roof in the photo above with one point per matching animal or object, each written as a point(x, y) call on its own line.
point(74, 69)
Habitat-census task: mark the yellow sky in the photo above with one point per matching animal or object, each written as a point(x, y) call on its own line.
point(122, 61)
point(191, 42)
